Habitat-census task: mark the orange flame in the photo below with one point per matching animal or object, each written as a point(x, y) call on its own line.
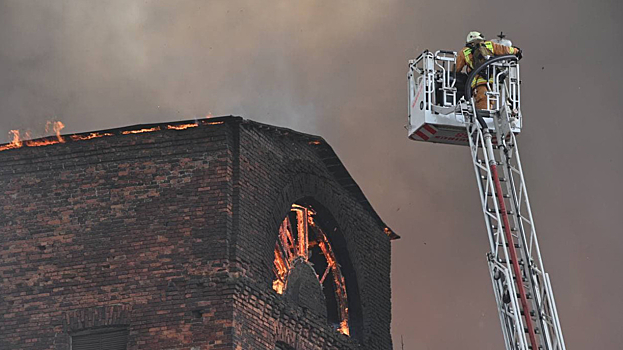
point(15, 143)
point(92, 135)
point(338, 280)
point(344, 327)
point(289, 250)
point(281, 271)
point(181, 127)
point(279, 286)
point(56, 126)
point(140, 131)
point(43, 142)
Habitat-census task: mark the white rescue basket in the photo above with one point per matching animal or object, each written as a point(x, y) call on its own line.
point(436, 92)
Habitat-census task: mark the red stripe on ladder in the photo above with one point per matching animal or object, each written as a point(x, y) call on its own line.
point(422, 135)
point(430, 129)
point(514, 257)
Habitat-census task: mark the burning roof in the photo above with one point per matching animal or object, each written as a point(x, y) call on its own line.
point(321, 147)
point(20, 140)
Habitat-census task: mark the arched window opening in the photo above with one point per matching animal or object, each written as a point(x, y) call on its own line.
point(302, 239)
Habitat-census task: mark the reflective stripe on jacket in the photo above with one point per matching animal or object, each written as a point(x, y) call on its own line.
point(468, 53)
point(465, 59)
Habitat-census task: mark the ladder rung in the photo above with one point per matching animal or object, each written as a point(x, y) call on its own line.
point(480, 161)
point(532, 313)
point(506, 244)
point(502, 179)
point(513, 229)
point(502, 261)
point(504, 195)
point(509, 212)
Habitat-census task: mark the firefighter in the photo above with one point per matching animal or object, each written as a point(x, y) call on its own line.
point(476, 51)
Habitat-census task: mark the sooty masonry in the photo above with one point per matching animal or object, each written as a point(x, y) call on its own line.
point(168, 237)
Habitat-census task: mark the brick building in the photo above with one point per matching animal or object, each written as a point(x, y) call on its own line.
point(218, 234)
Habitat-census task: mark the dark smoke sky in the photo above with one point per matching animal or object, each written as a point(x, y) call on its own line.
point(338, 69)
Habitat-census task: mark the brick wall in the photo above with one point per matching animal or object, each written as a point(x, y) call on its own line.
point(171, 233)
point(278, 168)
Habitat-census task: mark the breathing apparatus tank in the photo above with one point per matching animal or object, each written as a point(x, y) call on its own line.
point(501, 39)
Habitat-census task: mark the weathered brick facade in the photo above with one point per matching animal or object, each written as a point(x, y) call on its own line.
point(171, 233)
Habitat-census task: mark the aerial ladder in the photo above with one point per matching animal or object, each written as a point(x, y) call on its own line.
point(442, 110)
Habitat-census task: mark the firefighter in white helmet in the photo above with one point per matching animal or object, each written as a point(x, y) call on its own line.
point(476, 51)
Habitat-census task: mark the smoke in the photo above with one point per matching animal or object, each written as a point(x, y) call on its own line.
point(96, 64)
point(338, 69)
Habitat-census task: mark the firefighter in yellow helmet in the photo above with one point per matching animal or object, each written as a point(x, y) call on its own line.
point(465, 58)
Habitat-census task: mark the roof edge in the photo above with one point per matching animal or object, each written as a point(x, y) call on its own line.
point(130, 129)
point(322, 148)
point(333, 163)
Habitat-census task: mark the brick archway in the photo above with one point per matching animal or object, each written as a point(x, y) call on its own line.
point(329, 200)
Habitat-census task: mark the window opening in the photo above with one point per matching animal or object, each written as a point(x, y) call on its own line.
point(301, 238)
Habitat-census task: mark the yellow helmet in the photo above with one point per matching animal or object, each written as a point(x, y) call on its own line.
point(472, 36)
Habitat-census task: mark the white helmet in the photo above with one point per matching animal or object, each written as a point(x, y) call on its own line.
point(472, 36)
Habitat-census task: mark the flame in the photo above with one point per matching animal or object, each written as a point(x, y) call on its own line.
point(314, 142)
point(284, 256)
point(140, 131)
point(288, 250)
point(301, 224)
point(281, 271)
point(181, 127)
point(92, 135)
point(344, 327)
point(15, 143)
point(56, 126)
point(338, 279)
point(43, 142)
point(19, 140)
point(279, 286)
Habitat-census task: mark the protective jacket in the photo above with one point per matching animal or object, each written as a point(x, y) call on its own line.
point(465, 58)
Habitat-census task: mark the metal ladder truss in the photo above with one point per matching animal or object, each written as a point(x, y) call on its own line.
point(522, 288)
